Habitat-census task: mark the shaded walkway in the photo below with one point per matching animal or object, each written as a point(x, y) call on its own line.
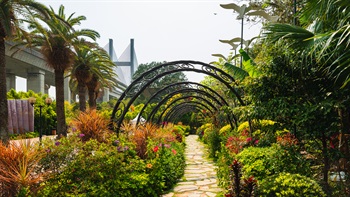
point(200, 175)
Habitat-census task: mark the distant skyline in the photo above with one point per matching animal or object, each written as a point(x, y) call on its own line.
point(166, 30)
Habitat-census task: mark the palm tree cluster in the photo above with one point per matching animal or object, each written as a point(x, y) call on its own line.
point(64, 48)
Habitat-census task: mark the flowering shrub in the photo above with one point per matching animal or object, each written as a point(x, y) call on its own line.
point(168, 164)
point(92, 168)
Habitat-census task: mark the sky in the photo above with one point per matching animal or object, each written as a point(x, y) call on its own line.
point(163, 30)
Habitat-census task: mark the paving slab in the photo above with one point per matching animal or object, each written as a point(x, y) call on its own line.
point(200, 173)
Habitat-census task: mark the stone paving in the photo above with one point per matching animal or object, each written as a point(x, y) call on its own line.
point(200, 175)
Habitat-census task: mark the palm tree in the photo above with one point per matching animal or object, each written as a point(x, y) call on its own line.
point(12, 14)
point(91, 63)
point(103, 76)
point(57, 40)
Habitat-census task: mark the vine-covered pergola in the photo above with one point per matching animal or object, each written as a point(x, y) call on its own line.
point(195, 97)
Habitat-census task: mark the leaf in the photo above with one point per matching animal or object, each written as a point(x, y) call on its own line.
point(249, 65)
point(237, 72)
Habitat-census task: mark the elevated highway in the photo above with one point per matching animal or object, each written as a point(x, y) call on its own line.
point(30, 64)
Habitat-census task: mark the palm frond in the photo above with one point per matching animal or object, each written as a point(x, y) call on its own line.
point(298, 36)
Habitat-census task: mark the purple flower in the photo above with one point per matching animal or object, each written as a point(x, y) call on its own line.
point(116, 142)
point(126, 147)
point(81, 135)
point(57, 143)
point(48, 150)
point(74, 129)
point(119, 149)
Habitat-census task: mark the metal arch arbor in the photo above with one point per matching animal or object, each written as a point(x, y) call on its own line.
point(142, 82)
point(171, 110)
point(179, 85)
point(183, 99)
point(182, 109)
point(189, 91)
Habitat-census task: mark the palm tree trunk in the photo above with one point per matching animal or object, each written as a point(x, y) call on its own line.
point(92, 99)
point(4, 135)
point(82, 96)
point(61, 116)
point(92, 86)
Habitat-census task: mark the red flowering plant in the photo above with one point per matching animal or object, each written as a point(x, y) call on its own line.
point(165, 157)
point(236, 143)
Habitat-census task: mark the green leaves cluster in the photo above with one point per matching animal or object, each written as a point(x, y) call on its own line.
point(288, 185)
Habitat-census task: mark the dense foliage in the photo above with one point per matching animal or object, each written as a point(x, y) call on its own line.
point(93, 161)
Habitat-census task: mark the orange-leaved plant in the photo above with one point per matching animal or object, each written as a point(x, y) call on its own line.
point(18, 167)
point(92, 125)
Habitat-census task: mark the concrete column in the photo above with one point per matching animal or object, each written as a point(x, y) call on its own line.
point(67, 94)
point(105, 97)
point(47, 87)
point(36, 80)
point(10, 81)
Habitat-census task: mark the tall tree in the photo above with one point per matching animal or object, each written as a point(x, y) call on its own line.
point(12, 14)
point(56, 38)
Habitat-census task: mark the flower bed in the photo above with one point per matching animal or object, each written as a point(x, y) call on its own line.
point(142, 161)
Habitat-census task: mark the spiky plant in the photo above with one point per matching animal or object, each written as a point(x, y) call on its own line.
point(18, 163)
point(92, 125)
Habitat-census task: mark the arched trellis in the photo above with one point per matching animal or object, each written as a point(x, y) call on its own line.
point(184, 99)
point(185, 108)
point(180, 85)
point(142, 82)
point(190, 92)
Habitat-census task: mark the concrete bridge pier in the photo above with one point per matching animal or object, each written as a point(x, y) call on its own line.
point(67, 93)
point(36, 80)
point(10, 81)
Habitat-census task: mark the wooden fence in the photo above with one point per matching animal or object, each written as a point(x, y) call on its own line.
point(21, 116)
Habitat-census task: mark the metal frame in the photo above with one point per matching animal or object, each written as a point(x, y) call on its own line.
point(189, 92)
point(182, 98)
point(184, 108)
point(142, 82)
point(179, 85)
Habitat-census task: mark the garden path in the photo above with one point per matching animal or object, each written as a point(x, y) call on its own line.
point(200, 175)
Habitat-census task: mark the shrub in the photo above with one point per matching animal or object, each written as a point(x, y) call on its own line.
point(288, 185)
point(168, 164)
point(214, 142)
point(100, 169)
point(18, 163)
point(111, 169)
point(92, 125)
point(225, 130)
point(201, 130)
point(263, 162)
